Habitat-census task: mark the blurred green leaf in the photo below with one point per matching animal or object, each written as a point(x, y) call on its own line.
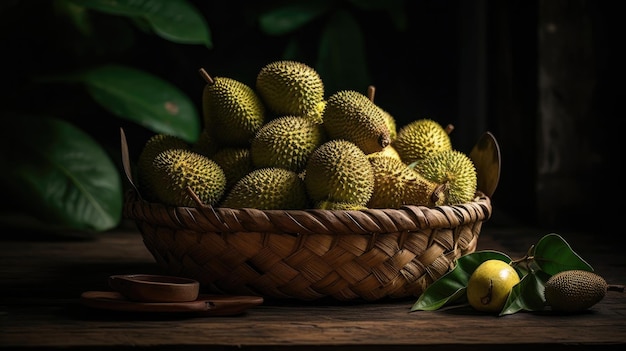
point(290, 17)
point(145, 99)
point(341, 61)
point(527, 295)
point(57, 173)
point(174, 20)
point(450, 287)
point(553, 255)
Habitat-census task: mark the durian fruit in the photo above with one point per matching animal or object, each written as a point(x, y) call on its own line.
point(395, 185)
point(574, 290)
point(292, 88)
point(351, 116)
point(155, 145)
point(420, 139)
point(231, 109)
point(268, 189)
point(453, 169)
point(286, 142)
point(236, 162)
point(339, 171)
point(173, 170)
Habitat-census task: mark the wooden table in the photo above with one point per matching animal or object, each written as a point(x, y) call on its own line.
point(42, 278)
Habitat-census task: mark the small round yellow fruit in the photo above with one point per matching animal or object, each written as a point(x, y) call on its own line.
point(490, 285)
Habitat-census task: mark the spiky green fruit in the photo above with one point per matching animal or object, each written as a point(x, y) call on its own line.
point(339, 171)
point(236, 162)
point(231, 108)
point(452, 169)
point(420, 139)
point(154, 145)
point(292, 88)
point(574, 290)
point(268, 189)
point(351, 116)
point(174, 170)
point(396, 185)
point(286, 142)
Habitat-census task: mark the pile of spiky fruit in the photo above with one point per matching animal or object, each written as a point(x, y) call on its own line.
point(284, 145)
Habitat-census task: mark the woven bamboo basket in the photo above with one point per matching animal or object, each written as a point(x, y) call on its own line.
point(310, 254)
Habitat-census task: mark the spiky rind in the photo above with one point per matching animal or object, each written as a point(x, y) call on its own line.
point(234, 109)
point(174, 170)
point(156, 144)
point(395, 185)
point(574, 290)
point(420, 139)
point(351, 116)
point(286, 142)
point(291, 88)
point(339, 171)
point(268, 189)
point(453, 169)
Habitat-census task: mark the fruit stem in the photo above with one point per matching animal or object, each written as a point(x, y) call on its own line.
point(207, 77)
point(371, 91)
point(449, 128)
point(615, 287)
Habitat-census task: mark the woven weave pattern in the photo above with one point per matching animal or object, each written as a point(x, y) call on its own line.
point(310, 254)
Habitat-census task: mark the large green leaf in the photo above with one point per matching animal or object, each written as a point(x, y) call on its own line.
point(57, 173)
point(553, 255)
point(342, 59)
point(175, 20)
point(450, 287)
point(145, 99)
point(288, 18)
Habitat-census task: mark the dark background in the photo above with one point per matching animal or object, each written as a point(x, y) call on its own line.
point(545, 77)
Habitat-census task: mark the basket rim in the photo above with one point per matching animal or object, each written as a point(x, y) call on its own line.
point(301, 221)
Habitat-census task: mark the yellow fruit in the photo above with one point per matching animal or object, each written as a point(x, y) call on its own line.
point(574, 290)
point(490, 284)
point(268, 189)
point(292, 88)
point(452, 169)
point(286, 142)
point(351, 116)
point(232, 109)
point(339, 171)
point(420, 139)
point(174, 170)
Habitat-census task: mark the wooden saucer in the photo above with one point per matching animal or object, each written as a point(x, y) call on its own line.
point(205, 304)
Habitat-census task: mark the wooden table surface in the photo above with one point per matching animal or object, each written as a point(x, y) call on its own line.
point(43, 277)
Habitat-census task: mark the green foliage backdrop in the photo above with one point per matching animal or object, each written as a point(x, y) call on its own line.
point(78, 70)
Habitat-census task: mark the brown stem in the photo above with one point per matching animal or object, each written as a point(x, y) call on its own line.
point(207, 77)
point(371, 91)
point(449, 128)
point(615, 287)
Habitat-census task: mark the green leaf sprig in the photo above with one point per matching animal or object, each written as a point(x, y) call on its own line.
point(551, 255)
